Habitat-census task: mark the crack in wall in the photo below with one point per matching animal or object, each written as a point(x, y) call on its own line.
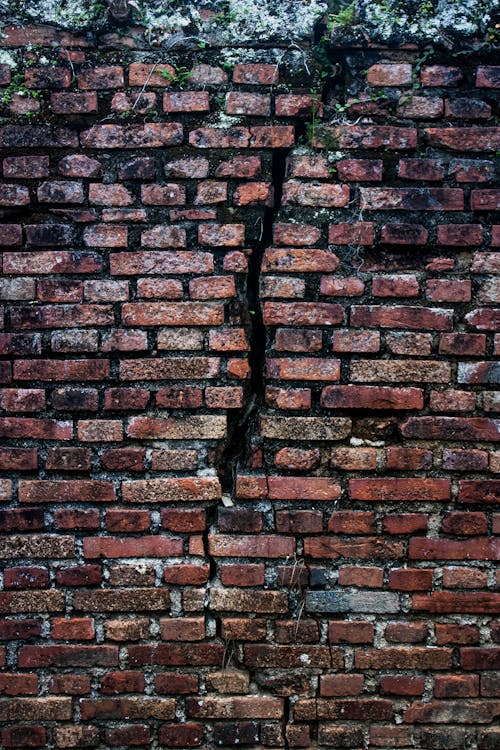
point(242, 423)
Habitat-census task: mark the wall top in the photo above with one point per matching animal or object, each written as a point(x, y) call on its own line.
point(256, 23)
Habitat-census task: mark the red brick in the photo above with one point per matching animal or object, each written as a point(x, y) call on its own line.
point(296, 105)
point(396, 489)
point(395, 286)
point(464, 139)
point(412, 199)
point(238, 166)
point(370, 397)
point(426, 170)
point(288, 398)
point(10, 234)
point(360, 170)
point(230, 235)
point(305, 368)
point(170, 194)
point(25, 427)
point(408, 459)
point(485, 319)
point(26, 578)
point(105, 77)
point(390, 736)
point(401, 685)
point(80, 575)
point(479, 548)
point(356, 341)
point(63, 655)
point(104, 236)
point(116, 547)
point(232, 137)
point(302, 313)
point(488, 76)
point(464, 578)
point(403, 658)
point(465, 460)
point(256, 74)
point(186, 101)
point(480, 658)
point(440, 75)
point(186, 575)
point(181, 735)
point(293, 261)
point(410, 579)
point(75, 629)
point(353, 459)
point(214, 287)
point(334, 685)
point(366, 577)
point(364, 548)
point(309, 194)
point(303, 488)
point(127, 520)
point(77, 490)
point(401, 317)
point(366, 136)
point(18, 684)
point(74, 518)
point(26, 166)
point(468, 344)
point(240, 103)
point(254, 194)
point(248, 546)
point(14, 195)
point(404, 234)
point(350, 286)
point(172, 314)
point(24, 736)
point(149, 135)
point(299, 521)
point(66, 102)
point(485, 200)
point(130, 735)
point(50, 262)
point(475, 491)
point(18, 459)
point(446, 634)
point(448, 290)
point(242, 575)
point(389, 74)
point(448, 428)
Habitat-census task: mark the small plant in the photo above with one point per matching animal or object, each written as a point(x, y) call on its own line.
point(180, 76)
point(493, 35)
point(315, 106)
point(17, 86)
point(342, 15)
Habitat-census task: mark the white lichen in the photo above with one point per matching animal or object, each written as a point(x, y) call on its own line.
point(252, 22)
point(427, 21)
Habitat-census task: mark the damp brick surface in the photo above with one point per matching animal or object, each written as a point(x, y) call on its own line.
point(249, 406)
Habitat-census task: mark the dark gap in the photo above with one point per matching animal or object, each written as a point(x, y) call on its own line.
point(240, 421)
point(287, 718)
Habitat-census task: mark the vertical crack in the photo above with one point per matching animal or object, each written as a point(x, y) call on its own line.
point(242, 421)
point(287, 715)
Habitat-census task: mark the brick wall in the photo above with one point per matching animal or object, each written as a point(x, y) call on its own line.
point(248, 409)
